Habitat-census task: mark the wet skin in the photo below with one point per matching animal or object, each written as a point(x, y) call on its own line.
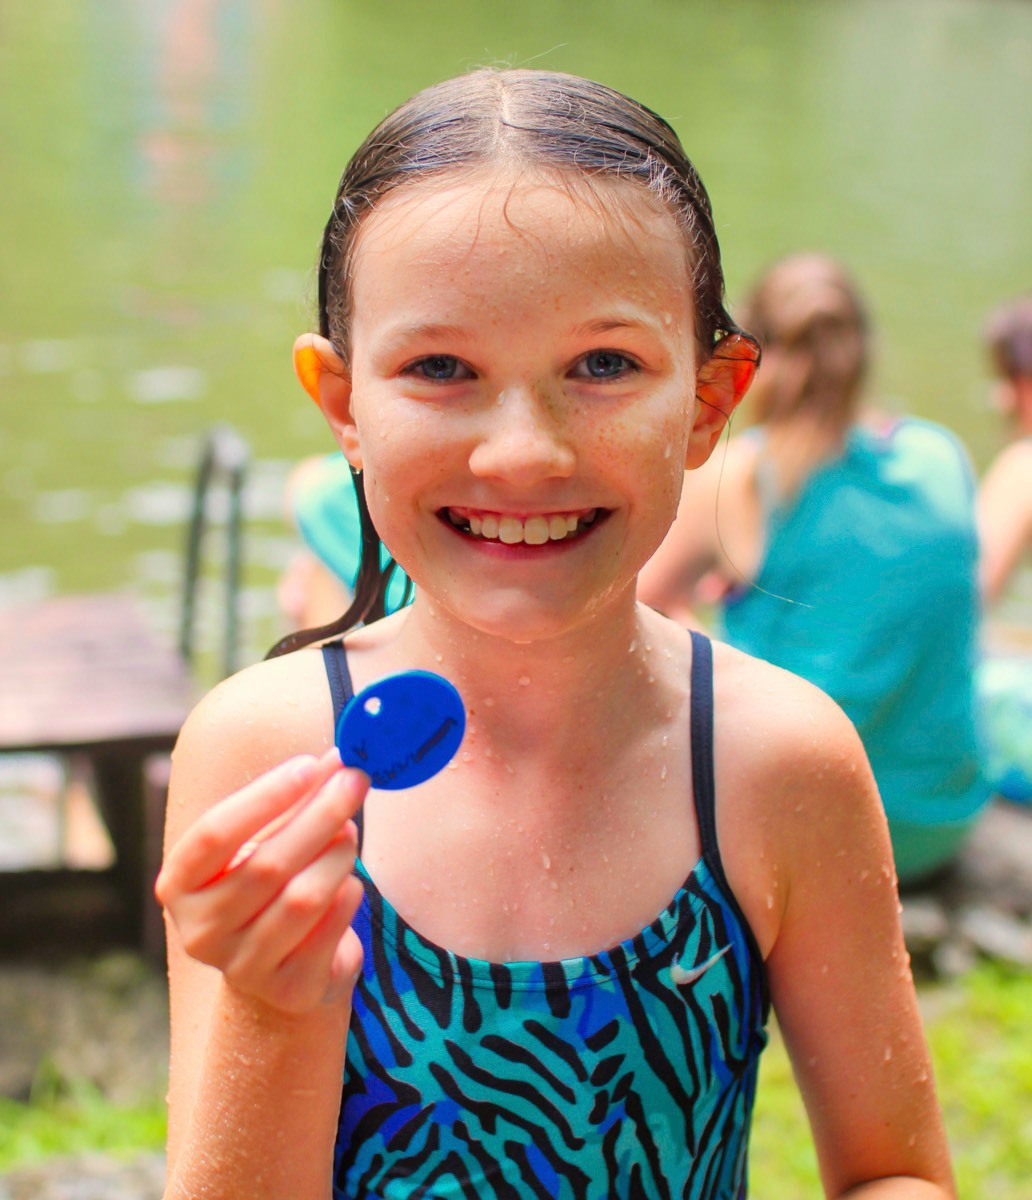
point(521, 359)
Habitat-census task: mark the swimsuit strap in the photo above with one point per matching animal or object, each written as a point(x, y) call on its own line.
point(704, 789)
point(335, 660)
point(704, 792)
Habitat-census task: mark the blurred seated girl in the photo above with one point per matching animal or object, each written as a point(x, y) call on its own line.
point(841, 545)
point(1005, 534)
point(318, 584)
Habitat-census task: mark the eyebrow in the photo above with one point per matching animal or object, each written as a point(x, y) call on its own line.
point(404, 331)
point(608, 324)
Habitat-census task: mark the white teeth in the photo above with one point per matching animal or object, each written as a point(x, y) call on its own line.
point(533, 531)
point(510, 530)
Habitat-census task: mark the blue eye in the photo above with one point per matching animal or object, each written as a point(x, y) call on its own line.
point(440, 367)
point(604, 364)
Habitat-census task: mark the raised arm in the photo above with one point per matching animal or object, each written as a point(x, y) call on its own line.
point(839, 971)
point(1004, 517)
point(259, 891)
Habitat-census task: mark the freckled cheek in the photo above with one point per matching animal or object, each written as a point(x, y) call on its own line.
point(401, 459)
point(649, 443)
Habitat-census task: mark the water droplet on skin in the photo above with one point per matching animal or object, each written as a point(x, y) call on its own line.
point(546, 862)
point(453, 765)
point(439, 657)
point(662, 771)
point(668, 450)
point(467, 757)
point(864, 875)
point(888, 1054)
point(770, 900)
point(489, 702)
point(524, 680)
point(912, 1141)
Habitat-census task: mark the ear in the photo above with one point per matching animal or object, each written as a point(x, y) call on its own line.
point(720, 385)
point(324, 376)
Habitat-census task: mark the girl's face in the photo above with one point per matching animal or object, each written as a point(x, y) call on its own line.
point(522, 394)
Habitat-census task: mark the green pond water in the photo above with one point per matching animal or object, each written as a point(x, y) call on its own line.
point(168, 167)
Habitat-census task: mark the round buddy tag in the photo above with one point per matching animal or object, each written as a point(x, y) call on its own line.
point(403, 729)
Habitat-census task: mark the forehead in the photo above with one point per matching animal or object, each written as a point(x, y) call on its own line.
point(493, 219)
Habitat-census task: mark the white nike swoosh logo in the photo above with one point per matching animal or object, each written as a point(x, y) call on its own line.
point(682, 977)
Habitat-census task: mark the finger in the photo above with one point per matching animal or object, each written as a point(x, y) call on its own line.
point(327, 964)
point(207, 848)
point(274, 864)
point(294, 939)
point(246, 925)
point(321, 821)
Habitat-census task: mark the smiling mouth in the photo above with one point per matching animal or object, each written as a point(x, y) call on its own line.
point(537, 530)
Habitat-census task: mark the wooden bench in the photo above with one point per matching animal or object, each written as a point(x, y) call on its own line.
point(86, 676)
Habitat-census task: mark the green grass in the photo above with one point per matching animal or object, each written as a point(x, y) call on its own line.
point(981, 1043)
point(978, 1028)
point(65, 1118)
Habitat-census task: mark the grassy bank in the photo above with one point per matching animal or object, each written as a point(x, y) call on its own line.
point(978, 1028)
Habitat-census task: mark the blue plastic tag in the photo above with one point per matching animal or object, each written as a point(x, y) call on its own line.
point(403, 729)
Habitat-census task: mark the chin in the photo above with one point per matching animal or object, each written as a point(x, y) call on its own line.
point(523, 620)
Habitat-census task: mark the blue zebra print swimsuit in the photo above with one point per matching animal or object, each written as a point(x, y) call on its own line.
point(624, 1075)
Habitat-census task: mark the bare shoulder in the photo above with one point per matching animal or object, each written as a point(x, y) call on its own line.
point(1010, 473)
point(774, 722)
point(795, 791)
point(249, 723)
point(1012, 466)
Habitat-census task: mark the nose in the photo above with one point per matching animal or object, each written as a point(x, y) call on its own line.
point(524, 440)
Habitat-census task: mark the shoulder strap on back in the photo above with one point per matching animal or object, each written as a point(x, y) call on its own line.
point(335, 660)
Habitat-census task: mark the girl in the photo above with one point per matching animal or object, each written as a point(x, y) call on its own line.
point(546, 971)
point(858, 532)
point(1005, 538)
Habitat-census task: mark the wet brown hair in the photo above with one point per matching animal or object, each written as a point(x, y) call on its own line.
point(810, 320)
point(558, 125)
point(1008, 335)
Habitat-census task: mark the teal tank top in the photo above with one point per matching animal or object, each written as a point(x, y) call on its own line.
point(868, 589)
point(625, 1075)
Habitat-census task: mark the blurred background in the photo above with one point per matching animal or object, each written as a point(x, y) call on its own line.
point(169, 165)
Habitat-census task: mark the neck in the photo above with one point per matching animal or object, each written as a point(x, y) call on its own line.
point(797, 447)
point(1023, 406)
point(546, 696)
